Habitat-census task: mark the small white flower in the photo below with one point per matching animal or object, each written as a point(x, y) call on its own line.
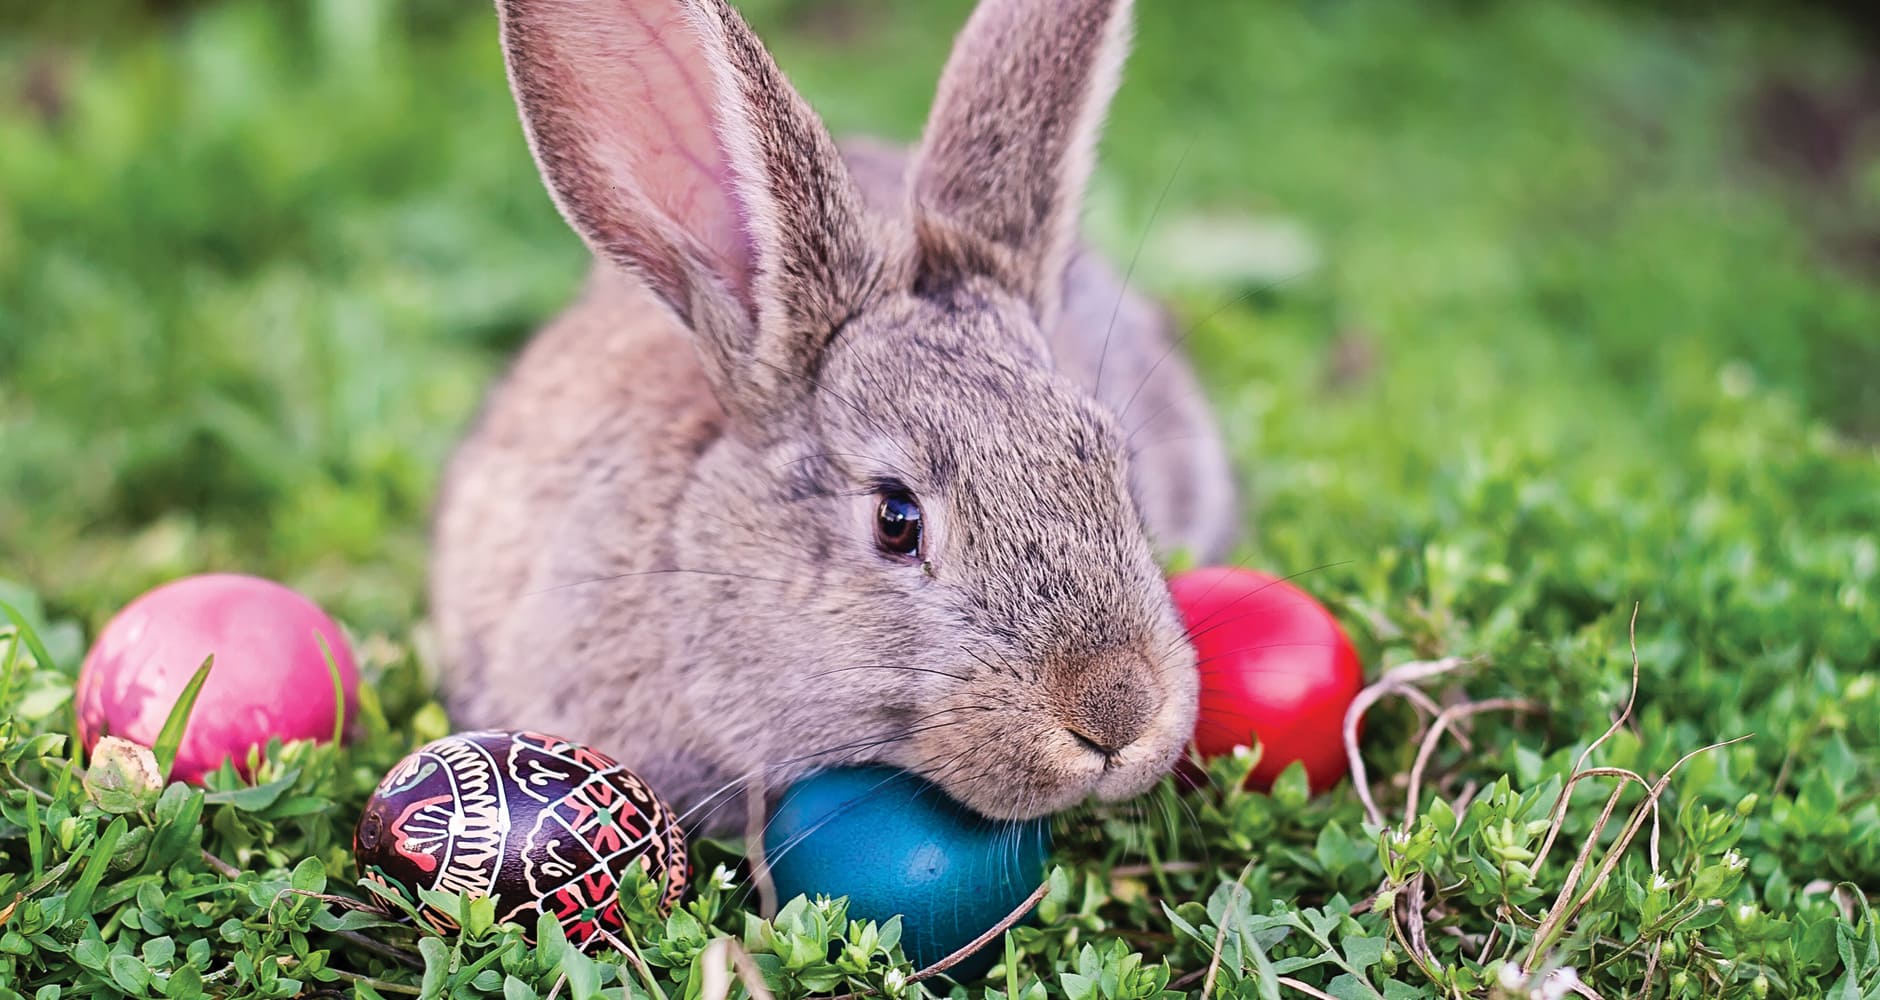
point(1745, 912)
point(1736, 861)
point(894, 981)
point(1660, 883)
point(722, 880)
point(1511, 977)
point(1713, 902)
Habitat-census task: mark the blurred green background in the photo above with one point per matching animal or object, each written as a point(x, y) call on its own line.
point(259, 259)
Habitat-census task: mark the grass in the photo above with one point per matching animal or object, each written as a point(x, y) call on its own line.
point(1515, 327)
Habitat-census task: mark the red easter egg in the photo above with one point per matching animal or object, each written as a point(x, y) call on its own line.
point(270, 678)
point(1275, 667)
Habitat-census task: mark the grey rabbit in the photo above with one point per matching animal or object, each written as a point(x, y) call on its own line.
point(831, 461)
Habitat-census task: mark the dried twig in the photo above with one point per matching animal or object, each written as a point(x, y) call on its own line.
point(1579, 986)
point(1220, 933)
point(1651, 970)
point(1165, 868)
point(1395, 680)
point(972, 947)
point(222, 867)
point(372, 944)
point(1311, 991)
point(996, 930)
point(1565, 905)
point(1579, 763)
point(1443, 721)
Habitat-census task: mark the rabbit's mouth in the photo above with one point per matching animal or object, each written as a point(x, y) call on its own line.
point(1007, 760)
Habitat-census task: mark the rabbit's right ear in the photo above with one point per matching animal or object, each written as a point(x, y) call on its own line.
point(673, 144)
point(1001, 172)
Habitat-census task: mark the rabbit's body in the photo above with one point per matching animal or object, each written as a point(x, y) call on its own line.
point(624, 559)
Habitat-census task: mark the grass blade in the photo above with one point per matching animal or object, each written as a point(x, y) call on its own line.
point(31, 638)
point(339, 688)
point(170, 738)
point(7, 671)
point(78, 901)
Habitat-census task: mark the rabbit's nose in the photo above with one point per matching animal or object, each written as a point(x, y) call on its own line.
point(1107, 718)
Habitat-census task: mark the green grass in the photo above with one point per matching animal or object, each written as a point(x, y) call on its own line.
point(1514, 332)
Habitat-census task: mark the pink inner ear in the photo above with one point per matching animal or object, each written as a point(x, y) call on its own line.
point(655, 104)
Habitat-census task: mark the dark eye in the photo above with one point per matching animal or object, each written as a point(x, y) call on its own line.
point(897, 524)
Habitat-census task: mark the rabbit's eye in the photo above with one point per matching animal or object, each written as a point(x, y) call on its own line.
point(897, 524)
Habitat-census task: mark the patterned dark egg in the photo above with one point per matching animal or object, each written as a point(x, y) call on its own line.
point(540, 824)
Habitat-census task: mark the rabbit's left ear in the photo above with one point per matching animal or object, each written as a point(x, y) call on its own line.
point(676, 148)
point(1001, 171)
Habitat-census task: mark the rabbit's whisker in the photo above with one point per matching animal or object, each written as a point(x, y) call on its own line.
point(1214, 619)
point(1116, 310)
point(1006, 668)
point(855, 747)
point(891, 666)
point(1197, 326)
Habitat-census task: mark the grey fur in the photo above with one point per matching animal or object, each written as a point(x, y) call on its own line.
point(658, 536)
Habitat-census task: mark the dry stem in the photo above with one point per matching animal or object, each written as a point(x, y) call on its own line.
point(1396, 680)
point(1435, 735)
point(982, 940)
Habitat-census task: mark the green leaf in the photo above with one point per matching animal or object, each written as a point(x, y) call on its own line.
point(583, 978)
point(551, 945)
point(1267, 976)
point(1077, 987)
point(516, 989)
point(1346, 986)
point(92, 954)
point(436, 968)
point(254, 798)
point(170, 737)
point(129, 974)
point(159, 952)
point(1335, 849)
point(184, 984)
point(1363, 952)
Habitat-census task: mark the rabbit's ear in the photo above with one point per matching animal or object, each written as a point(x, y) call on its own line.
point(673, 144)
point(1002, 168)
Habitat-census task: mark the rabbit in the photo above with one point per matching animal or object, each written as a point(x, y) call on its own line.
point(815, 470)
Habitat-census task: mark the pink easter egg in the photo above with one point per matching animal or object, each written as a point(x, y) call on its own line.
point(270, 678)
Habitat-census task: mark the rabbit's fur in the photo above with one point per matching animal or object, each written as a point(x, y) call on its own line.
point(660, 536)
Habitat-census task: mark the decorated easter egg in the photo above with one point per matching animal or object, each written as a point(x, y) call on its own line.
point(270, 677)
point(537, 823)
point(1276, 668)
point(896, 844)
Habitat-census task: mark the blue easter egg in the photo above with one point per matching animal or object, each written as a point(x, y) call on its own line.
point(896, 844)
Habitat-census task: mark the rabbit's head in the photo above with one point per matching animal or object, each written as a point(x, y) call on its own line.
point(915, 536)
